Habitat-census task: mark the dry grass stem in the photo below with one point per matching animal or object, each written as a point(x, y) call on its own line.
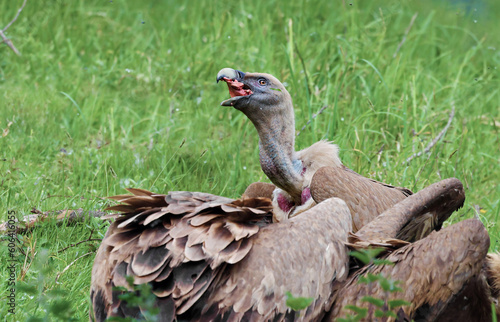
point(406, 34)
point(436, 139)
point(6, 40)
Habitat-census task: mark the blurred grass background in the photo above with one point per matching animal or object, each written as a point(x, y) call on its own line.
point(115, 94)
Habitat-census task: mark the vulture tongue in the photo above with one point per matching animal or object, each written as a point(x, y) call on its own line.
point(236, 88)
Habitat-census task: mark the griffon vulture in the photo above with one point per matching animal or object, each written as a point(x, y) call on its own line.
point(213, 258)
point(298, 176)
point(207, 256)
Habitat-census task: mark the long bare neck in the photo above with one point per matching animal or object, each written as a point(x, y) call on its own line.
point(278, 159)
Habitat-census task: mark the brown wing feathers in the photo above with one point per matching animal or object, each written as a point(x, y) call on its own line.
point(432, 271)
point(177, 242)
point(365, 198)
point(210, 258)
point(402, 220)
point(284, 258)
point(443, 275)
point(219, 259)
point(259, 189)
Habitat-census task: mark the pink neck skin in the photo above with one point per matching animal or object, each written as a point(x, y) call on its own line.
point(286, 205)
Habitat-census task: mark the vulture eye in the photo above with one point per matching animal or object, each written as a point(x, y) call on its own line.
point(262, 82)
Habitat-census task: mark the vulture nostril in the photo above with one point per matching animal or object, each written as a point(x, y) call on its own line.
point(240, 74)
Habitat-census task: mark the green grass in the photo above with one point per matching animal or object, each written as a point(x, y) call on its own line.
point(108, 95)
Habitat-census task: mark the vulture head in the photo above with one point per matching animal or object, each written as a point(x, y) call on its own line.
point(255, 94)
point(268, 105)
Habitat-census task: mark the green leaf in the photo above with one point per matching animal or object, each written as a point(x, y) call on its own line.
point(34, 319)
point(361, 256)
point(57, 293)
point(386, 284)
point(360, 310)
point(119, 289)
point(397, 303)
point(366, 255)
point(349, 318)
point(298, 303)
point(363, 280)
point(380, 314)
point(374, 301)
point(28, 289)
point(380, 261)
point(61, 309)
point(276, 89)
point(130, 280)
point(369, 278)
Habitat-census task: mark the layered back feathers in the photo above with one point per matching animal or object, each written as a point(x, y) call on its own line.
point(177, 242)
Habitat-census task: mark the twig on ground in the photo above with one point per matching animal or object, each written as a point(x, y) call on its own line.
point(68, 215)
point(80, 242)
point(21, 249)
point(71, 264)
point(313, 117)
point(15, 18)
point(36, 211)
point(406, 34)
point(436, 139)
point(6, 40)
point(379, 153)
point(69, 197)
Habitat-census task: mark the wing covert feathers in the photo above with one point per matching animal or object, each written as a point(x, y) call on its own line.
point(406, 220)
point(259, 189)
point(433, 271)
point(281, 261)
point(207, 256)
point(177, 242)
point(365, 198)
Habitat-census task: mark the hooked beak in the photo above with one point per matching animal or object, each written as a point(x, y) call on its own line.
point(235, 83)
point(230, 73)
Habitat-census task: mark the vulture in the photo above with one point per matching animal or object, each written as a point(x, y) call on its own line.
point(303, 177)
point(447, 276)
point(316, 173)
point(207, 257)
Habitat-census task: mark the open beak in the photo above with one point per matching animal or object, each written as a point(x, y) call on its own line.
point(235, 83)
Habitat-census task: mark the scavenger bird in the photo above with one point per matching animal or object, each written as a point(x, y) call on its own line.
point(296, 174)
point(207, 257)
